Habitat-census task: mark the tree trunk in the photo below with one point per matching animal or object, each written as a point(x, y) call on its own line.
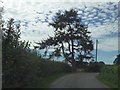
point(73, 60)
point(64, 53)
point(73, 66)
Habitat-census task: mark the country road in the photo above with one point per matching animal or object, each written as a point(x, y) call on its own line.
point(78, 80)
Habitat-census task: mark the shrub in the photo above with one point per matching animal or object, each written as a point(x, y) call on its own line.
point(43, 69)
point(21, 67)
point(94, 66)
point(110, 74)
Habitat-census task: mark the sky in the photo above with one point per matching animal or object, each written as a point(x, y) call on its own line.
point(100, 16)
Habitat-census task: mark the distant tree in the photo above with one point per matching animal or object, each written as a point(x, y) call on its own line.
point(117, 59)
point(102, 63)
point(95, 66)
point(71, 38)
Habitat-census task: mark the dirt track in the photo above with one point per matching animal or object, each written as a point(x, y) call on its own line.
point(78, 80)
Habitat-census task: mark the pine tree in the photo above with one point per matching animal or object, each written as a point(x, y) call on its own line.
point(71, 38)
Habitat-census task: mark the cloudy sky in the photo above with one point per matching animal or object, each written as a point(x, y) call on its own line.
point(101, 18)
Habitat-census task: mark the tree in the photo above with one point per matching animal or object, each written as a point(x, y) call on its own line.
point(11, 42)
point(117, 60)
point(14, 54)
point(71, 38)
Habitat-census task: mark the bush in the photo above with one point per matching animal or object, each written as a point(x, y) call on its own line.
point(14, 75)
point(94, 66)
point(15, 55)
point(50, 67)
point(31, 72)
point(109, 74)
point(21, 67)
point(43, 69)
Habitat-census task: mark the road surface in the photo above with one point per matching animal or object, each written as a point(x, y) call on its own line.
point(78, 80)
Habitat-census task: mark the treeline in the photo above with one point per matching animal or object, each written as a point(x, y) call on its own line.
point(22, 67)
point(95, 66)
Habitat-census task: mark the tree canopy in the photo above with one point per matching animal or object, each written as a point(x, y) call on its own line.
point(71, 39)
point(15, 55)
point(117, 59)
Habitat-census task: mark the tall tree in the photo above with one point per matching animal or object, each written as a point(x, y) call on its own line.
point(14, 54)
point(71, 37)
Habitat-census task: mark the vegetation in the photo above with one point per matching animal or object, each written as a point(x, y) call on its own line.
point(91, 66)
point(14, 54)
point(117, 60)
point(47, 71)
point(71, 40)
point(22, 67)
point(94, 66)
point(109, 75)
point(45, 82)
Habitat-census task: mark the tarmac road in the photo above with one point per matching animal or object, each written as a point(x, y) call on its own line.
point(78, 80)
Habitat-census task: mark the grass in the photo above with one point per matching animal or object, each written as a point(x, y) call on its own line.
point(106, 82)
point(109, 76)
point(45, 82)
point(48, 80)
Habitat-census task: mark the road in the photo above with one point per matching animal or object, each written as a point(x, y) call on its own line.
point(78, 80)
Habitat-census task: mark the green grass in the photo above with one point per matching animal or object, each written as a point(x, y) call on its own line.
point(40, 82)
point(109, 84)
point(48, 80)
point(109, 76)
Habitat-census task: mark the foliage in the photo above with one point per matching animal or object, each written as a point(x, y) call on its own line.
point(14, 54)
point(95, 66)
point(81, 65)
point(39, 70)
point(71, 38)
point(21, 66)
point(43, 70)
point(46, 82)
point(117, 60)
point(109, 75)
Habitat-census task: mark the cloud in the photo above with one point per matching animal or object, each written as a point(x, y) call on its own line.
point(107, 35)
point(102, 30)
point(108, 44)
point(101, 17)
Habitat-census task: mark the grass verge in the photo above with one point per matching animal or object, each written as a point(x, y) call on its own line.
point(46, 81)
point(109, 76)
point(106, 82)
